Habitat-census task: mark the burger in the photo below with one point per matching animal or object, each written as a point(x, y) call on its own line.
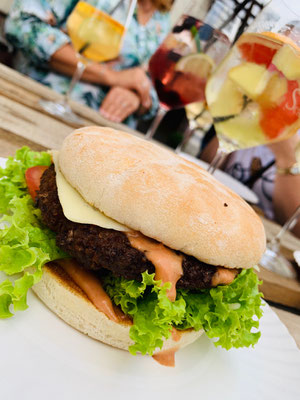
point(130, 244)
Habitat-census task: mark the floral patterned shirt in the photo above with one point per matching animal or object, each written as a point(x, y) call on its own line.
point(37, 29)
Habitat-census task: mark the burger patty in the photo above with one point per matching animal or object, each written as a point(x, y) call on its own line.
point(98, 248)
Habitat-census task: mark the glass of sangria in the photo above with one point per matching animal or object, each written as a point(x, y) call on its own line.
point(254, 94)
point(182, 64)
point(96, 36)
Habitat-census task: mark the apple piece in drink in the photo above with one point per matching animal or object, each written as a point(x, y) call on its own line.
point(243, 130)
point(226, 103)
point(251, 78)
point(193, 110)
point(236, 117)
point(287, 60)
point(198, 115)
point(274, 92)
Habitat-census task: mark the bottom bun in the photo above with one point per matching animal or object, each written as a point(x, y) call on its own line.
point(62, 296)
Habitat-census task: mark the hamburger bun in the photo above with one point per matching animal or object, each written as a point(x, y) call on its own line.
point(62, 296)
point(153, 191)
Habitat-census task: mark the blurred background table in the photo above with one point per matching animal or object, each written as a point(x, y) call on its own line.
point(23, 122)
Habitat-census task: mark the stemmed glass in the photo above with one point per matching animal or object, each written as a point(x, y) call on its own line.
point(272, 259)
point(199, 120)
point(254, 95)
point(182, 64)
point(97, 37)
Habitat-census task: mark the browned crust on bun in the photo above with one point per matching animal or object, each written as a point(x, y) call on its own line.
point(153, 191)
point(62, 296)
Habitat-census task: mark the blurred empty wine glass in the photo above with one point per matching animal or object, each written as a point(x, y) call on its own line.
point(182, 64)
point(97, 37)
point(272, 259)
point(199, 121)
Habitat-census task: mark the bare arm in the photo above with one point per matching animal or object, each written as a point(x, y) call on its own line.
point(286, 195)
point(64, 61)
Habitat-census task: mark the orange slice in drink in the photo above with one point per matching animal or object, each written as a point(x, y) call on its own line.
point(257, 48)
point(198, 64)
point(260, 48)
point(280, 38)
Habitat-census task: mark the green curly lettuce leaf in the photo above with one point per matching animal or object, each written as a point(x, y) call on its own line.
point(227, 313)
point(25, 243)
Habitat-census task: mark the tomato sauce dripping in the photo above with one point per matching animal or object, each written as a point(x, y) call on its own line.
point(166, 357)
point(92, 287)
point(168, 264)
point(176, 334)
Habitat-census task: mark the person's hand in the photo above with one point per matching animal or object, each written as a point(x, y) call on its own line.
point(135, 79)
point(284, 151)
point(119, 103)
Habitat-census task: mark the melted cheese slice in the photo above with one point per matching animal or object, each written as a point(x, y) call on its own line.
point(76, 209)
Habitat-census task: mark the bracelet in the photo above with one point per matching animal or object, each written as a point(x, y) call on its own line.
point(293, 170)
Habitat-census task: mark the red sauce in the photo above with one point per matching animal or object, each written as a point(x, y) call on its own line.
point(223, 276)
point(176, 335)
point(166, 357)
point(92, 287)
point(168, 264)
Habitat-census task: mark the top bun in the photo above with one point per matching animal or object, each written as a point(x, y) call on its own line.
point(153, 191)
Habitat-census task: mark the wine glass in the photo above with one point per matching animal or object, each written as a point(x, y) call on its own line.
point(97, 37)
point(199, 120)
point(272, 259)
point(182, 64)
point(254, 95)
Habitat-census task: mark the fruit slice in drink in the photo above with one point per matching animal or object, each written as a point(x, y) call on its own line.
point(228, 103)
point(268, 80)
point(284, 113)
point(190, 76)
point(251, 78)
point(244, 129)
point(287, 60)
point(274, 92)
point(254, 47)
point(198, 64)
point(278, 117)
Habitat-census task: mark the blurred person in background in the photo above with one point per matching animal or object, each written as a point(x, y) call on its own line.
point(268, 171)
point(120, 89)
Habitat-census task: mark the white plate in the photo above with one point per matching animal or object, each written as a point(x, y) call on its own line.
point(44, 358)
point(227, 180)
